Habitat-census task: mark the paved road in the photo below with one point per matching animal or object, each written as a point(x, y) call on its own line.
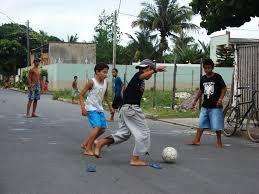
point(42, 155)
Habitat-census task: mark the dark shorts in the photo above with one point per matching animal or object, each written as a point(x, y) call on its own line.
point(35, 93)
point(117, 102)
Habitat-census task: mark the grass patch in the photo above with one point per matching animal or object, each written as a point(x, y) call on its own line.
point(163, 104)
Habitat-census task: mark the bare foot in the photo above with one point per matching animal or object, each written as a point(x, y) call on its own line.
point(83, 146)
point(34, 115)
point(219, 145)
point(138, 163)
point(28, 116)
point(110, 120)
point(97, 149)
point(89, 152)
point(194, 143)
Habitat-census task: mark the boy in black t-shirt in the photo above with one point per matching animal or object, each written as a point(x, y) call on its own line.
point(213, 88)
point(132, 119)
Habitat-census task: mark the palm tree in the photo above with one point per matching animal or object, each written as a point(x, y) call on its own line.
point(205, 49)
point(72, 38)
point(142, 46)
point(166, 17)
point(182, 40)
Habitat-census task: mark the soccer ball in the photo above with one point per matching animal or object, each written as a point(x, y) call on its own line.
point(169, 154)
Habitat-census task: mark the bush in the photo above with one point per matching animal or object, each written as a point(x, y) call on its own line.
point(61, 94)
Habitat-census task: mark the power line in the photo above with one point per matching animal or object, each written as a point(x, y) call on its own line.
point(7, 16)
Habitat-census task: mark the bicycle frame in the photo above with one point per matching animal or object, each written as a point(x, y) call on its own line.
point(252, 106)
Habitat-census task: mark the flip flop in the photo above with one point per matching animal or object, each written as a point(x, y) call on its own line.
point(91, 168)
point(155, 165)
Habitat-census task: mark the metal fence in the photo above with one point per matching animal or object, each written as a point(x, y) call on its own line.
point(248, 71)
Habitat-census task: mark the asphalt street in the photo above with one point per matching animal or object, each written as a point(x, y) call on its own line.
point(42, 155)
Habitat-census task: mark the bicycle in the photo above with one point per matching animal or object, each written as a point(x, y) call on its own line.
point(233, 119)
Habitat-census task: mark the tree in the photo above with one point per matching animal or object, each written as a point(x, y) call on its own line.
point(17, 32)
point(225, 56)
point(9, 54)
point(72, 38)
point(218, 14)
point(205, 49)
point(142, 46)
point(104, 38)
point(189, 54)
point(166, 17)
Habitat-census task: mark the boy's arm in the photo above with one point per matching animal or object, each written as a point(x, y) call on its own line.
point(222, 94)
point(82, 94)
point(29, 79)
point(197, 97)
point(106, 98)
point(150, 72)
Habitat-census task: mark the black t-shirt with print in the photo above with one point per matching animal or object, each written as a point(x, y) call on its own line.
point(211, 88)
point(134, 90)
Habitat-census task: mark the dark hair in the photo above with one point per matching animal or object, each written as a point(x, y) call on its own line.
point(75, 77)
point(100, 66)
point(208, 62)
point(115, 69)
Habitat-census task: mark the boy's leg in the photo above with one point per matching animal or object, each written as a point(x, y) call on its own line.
point(28, 108)
point(34, 106)
point(217, 123)
point(204, 123)
point(100, 143)
point(84, 144)
point(197, 138)
point(120, 136)
point(90, 140)
point(219, 142)
point(139, 128)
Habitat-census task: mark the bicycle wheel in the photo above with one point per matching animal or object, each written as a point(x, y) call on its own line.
point(252, 126)
point(231, 119)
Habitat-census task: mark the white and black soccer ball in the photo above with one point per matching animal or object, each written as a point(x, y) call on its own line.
point(169, 154)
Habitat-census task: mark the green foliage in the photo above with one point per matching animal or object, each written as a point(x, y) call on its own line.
point(15, 32)
point(142, 46)
point(166, 17)
point(9, 52)
point(61, 94)
point(25, 74)
point(225, 56)
point(103, 38)
point(219, 14)
point(44, 72)
point(72, 38)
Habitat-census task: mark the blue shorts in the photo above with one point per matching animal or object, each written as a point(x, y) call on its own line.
point(35, 93)
point(211, 118)
point(97, 119)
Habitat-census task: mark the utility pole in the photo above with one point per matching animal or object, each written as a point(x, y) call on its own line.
point(28, 45)
point(154, 88)
point(174, 85)
point(114, 39)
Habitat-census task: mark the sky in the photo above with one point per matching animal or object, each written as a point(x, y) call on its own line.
point(62, 18)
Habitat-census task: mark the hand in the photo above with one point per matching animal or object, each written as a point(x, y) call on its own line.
point(194, 105)
point(112, 110)
point(219, 102)
point(83, 112)
point(161, 68)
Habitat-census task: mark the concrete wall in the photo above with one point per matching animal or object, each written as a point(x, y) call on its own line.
point(72, 53)
point(188, 76)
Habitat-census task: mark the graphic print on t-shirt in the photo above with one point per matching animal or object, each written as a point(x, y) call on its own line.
point(208, 88)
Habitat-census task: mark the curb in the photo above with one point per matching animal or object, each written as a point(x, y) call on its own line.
point(176, 123)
